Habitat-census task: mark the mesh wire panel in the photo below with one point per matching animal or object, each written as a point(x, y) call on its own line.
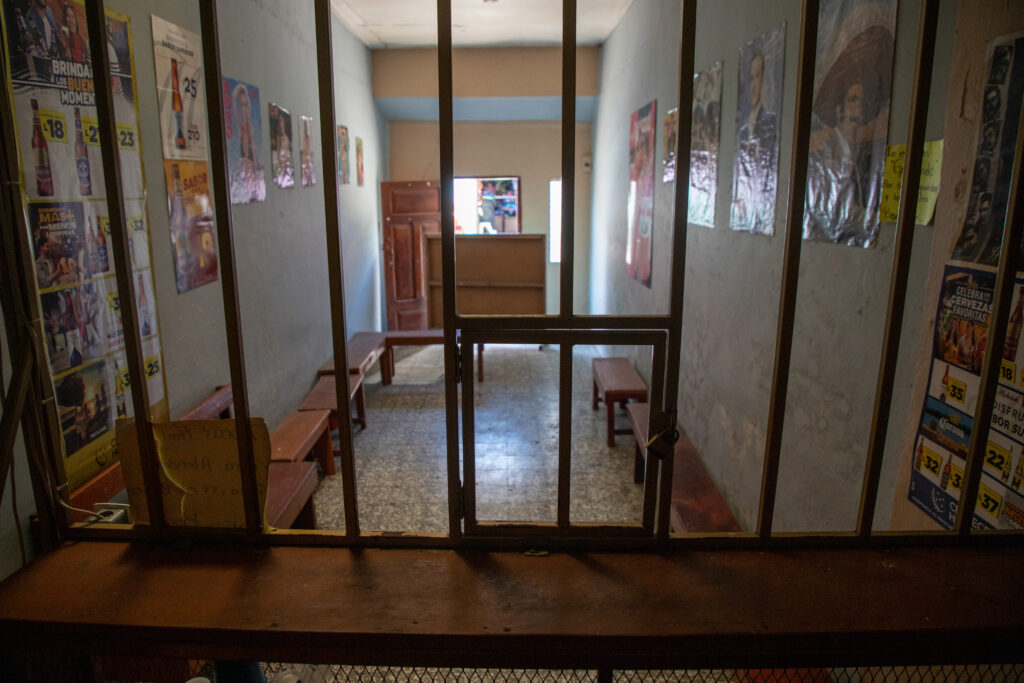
point(332, 673)
point(987, 673)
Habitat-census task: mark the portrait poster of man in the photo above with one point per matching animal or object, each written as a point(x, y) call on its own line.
point(640, 203)
point(243, 125)
point(981, 236)
point(755, 169)
point(705, 135)
point(306, 165)
point(850, 120)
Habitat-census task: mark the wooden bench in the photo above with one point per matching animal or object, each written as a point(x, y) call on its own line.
point(616, 381)
point(364, 349)
point(323, 396)
point(422, 338)
point(302, 433)
point(697, 505)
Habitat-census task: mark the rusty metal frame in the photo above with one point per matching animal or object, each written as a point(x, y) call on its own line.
point(663, 332)
point(107, 125)
point(229, 272)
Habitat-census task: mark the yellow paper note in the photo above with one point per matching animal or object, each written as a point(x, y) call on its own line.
point(931, 167)
point(200, 482)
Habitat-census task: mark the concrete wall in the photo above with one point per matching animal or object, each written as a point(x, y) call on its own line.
point(531, 150)
point(280, 244)
point(732, 278)
point(483, 72)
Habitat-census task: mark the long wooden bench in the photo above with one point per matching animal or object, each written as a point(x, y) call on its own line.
point(323, 396)
point(364, 349)
point(616, 381)
point(697, 505)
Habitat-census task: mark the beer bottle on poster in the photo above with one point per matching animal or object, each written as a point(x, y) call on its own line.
point(1018, 474)
point(143, 309)
point(82, 157)
point(944, 479)
point(919, 457)
point(102, 259)
point(179, 228)
point(176, 106)
point(41, 154)
point(1007, 464)
point(945, 384)
point(1013, 329)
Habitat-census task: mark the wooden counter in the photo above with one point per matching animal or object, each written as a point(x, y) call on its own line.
point(441, 607)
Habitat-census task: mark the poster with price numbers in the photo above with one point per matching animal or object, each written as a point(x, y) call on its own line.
point(181, 99)
point(52, 92)
point(940, 450)
point(961, 328)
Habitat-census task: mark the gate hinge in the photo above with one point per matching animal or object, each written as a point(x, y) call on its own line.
point(664, 433)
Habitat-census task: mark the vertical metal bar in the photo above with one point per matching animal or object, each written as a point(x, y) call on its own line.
point(468, 437)
point(97, 25)
point(658, 487)
point(335, 259)
point(567, 266)
point(687, 45)
point(446, 130)
point(20, 302)
point(564, 433)
point(1013, 229)
point(228, 270)
point(790, 264)
point(905, 222)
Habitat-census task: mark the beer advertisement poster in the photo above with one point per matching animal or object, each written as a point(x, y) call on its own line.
point(306, 165)
point(281, 146)
point(193, 236)
point(243, 126)
point(180, 91)
point(940, 451)
point(52, 94)
point(51, 81)
point(961, 328)
point(640, 203)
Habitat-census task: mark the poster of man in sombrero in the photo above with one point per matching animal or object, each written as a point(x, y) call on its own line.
point(850, 120)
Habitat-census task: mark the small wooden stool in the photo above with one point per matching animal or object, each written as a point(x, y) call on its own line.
point(616, 381)
point(290, 495)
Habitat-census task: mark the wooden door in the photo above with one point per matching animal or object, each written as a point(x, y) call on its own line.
point(411, 210)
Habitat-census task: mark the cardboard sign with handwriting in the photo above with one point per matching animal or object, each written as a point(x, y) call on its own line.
point(200, 480)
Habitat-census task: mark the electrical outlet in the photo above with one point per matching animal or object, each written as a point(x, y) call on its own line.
point(113, 513)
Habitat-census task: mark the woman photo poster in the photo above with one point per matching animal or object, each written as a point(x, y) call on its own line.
point(244, 127)
point(281, 146)
point(705, 134)
point(640, 204)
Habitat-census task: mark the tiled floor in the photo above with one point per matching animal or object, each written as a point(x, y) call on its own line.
point(401, 456)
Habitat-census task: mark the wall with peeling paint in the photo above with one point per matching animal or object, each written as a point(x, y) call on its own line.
point(733, 279)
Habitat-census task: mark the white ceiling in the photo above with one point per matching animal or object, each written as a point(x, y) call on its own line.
point(413, 23)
